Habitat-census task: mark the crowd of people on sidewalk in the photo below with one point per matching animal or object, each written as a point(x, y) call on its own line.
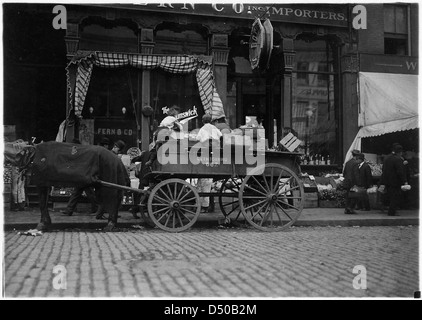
point(358, 179)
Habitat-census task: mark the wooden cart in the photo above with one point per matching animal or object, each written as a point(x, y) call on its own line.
point(269, 196)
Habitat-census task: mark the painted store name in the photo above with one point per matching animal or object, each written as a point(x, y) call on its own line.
point(240, 8)
point(115, 132)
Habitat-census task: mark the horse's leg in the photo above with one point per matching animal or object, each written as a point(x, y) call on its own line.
point(114, 210)
point(45, 221)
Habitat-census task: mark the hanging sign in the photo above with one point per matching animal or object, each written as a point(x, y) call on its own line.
point(260, 44)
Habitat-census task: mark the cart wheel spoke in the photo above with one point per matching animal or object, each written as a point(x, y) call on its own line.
point(284, 211)
point(262, 193)
point(164, 194)
point(262, 187)
point(231, 208)
point(162, 201)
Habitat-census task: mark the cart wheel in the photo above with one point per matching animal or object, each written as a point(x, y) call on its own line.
point(271, 197)
point(174, 205)
point(231, 209)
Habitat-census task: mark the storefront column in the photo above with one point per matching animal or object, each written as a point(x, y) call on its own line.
point(350, 111)
point(220, 53)
point(72, 45)
point(286, 82)
point(146, 47)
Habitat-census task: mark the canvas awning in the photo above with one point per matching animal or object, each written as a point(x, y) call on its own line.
point(388, 103)
point(201, 65)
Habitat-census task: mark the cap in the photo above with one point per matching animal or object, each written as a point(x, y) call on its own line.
point(355, 152)
point(397, 148)
point(120, 144)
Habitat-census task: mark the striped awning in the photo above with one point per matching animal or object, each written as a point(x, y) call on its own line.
point(180, 64)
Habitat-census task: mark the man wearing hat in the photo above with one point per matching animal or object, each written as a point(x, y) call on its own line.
point(351, 178)
point(118, 147)
point(365, 181)
point(393, 177)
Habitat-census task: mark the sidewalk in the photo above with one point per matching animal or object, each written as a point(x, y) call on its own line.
point(312, 217)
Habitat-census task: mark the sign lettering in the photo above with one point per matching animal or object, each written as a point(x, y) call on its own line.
point(322, 14)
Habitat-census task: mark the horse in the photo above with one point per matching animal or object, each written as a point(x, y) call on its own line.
point(74, 165)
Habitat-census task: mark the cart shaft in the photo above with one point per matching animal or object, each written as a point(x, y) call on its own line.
point(118, 186)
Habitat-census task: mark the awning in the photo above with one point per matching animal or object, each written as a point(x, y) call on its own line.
point(201, 65)
point(388, 103)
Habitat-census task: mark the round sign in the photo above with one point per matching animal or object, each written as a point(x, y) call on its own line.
point(260, 44)
point(256, 43)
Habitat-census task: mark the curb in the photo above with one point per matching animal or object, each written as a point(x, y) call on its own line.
point(215, 224)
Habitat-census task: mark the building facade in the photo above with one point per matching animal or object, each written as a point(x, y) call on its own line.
point(310, 86)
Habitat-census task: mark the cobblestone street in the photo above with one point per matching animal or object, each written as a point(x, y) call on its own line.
point(302, 262)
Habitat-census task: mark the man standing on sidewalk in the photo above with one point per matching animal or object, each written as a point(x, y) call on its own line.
point(393, 177)
point(365, 181)
point(351, 178)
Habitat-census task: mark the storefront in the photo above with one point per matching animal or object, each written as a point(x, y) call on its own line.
point(301, 91)
point(388, 114)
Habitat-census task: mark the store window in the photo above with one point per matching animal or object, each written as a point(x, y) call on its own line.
point(396, 29)
point(168, 89)
point(110, 105)
point(112, 93)
point(314, 104)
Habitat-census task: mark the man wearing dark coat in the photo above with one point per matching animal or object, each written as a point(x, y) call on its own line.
point(351, 178)
point(365, 180)
point(393, 177)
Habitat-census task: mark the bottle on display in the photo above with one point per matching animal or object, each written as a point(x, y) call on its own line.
point(328, 159)
point(311, 160)
point(322, 162)
point(317, 159)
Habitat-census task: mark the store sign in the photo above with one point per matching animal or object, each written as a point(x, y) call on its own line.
point(260, 44)
point(316, 93)
point(319, 14)
point(124, 130)
point(388, 64)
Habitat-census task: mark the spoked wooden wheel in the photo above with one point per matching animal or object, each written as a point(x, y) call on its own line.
point(229, 203)
point(271, 197)
point(174, 205)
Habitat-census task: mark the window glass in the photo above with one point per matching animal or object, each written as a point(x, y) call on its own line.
point(168, 89)
point(389, 19)
point(395, 46)
point(110, 93)
point(313, 107)
point(401, 19)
